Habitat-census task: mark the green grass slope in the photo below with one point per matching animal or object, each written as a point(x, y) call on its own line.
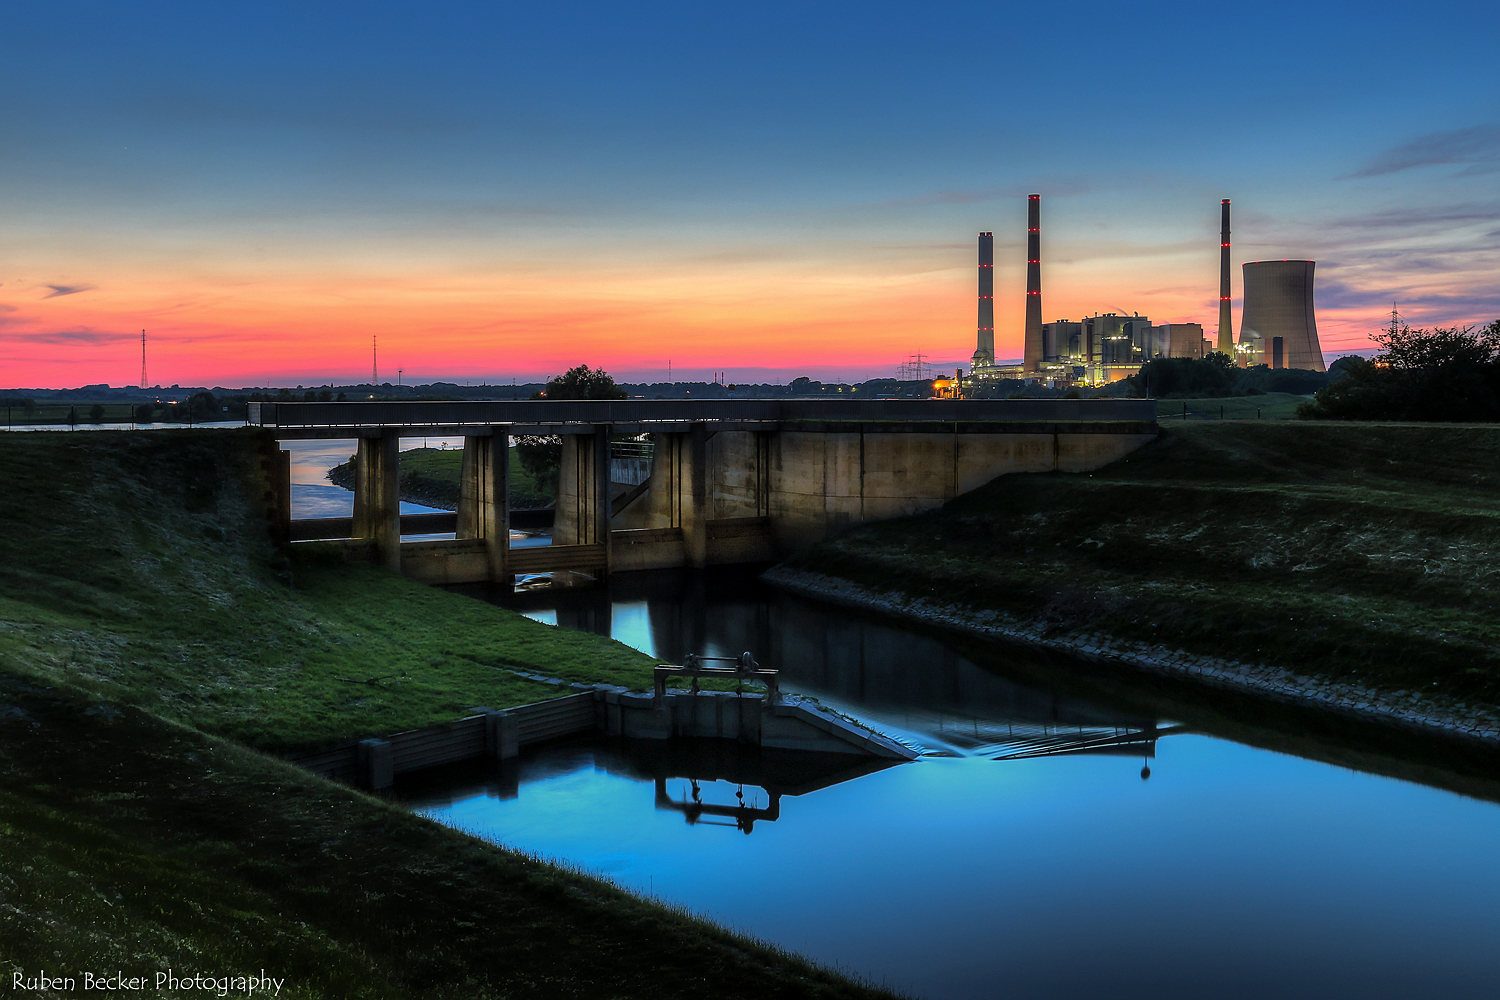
point(138, 564)
point(144, 620)
point(1369, 552)
point(129, 844)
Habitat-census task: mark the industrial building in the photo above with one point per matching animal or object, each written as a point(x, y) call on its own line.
point(1277, 328)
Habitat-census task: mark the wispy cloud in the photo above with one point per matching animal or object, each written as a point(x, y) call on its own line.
point(1063, 188)
point(1478, 146)
point(79, 336)
point(1443, 217)
point(58, 290)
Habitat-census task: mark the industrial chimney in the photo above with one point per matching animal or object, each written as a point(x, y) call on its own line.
point(1032, 356)
point(1279, 312)
point(984, 353)
point(1226, 317)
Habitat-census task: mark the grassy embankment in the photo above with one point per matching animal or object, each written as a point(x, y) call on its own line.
point(146, 625)
point(139, 565)
point(1363, 553)
point(430, 476)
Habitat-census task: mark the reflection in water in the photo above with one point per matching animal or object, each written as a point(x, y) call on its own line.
point(1022, 855)
point(909, 685)
point(743, 811)
point(1243, 874)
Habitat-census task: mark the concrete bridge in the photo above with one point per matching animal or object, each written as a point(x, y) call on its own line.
point(729, 480)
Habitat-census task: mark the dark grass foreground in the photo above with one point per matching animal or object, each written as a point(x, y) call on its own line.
point(128, 844)
point(1368, 553)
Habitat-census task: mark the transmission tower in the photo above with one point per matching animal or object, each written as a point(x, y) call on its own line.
point(915, 369)
point(143, 359)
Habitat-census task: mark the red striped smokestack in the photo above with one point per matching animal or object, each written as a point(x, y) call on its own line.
point(1226, 319)
point(1033, 349)
point(984, 352)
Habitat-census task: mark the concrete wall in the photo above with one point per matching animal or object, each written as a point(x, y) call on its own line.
point(744, 718)
point(822, 482)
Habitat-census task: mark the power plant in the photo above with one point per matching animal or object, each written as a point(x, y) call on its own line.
point(1278, 327)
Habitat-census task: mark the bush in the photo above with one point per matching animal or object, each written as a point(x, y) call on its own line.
point(1186, 378)
point(1447, 373)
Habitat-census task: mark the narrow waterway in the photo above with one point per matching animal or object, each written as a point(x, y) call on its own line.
point(1065, 833)
point(1056, 839)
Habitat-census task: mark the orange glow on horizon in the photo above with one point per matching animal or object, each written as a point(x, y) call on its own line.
point(293, 330)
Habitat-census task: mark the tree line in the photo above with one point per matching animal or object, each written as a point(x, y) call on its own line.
point(1446, 373)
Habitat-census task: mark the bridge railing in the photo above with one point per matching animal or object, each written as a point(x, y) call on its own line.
point(745, 669)
point(645, 411)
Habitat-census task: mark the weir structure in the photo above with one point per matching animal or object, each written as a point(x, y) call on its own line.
point(730, 481)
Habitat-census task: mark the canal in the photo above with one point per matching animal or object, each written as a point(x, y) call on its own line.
point(1067, 831)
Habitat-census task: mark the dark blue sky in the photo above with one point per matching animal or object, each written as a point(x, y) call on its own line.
point(750, 148)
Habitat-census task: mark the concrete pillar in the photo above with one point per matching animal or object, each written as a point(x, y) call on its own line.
point(762, 473)
point(603, 486)
point(694, 496)
point(583, 490)
point(377, 501)
point(570, 523)
point(375, 765)
point(484, 495)
point(284, 493)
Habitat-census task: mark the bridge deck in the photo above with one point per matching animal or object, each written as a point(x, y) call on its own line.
point(630, 416)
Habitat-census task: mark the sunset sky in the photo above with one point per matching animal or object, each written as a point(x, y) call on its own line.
point(777, 189)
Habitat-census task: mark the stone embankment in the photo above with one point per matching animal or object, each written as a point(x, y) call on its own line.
point(1407, 709)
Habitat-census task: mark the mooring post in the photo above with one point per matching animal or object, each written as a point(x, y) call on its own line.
point(376, 765)
point(502, 736)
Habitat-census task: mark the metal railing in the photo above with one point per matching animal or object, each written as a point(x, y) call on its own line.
point(745, 668)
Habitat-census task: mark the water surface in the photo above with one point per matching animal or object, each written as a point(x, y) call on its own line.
point(1024, 854)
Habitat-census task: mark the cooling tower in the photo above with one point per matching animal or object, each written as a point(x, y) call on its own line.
point(984, 353)
point(1226, 316)
point(1032, 355)
point(1279, 304)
